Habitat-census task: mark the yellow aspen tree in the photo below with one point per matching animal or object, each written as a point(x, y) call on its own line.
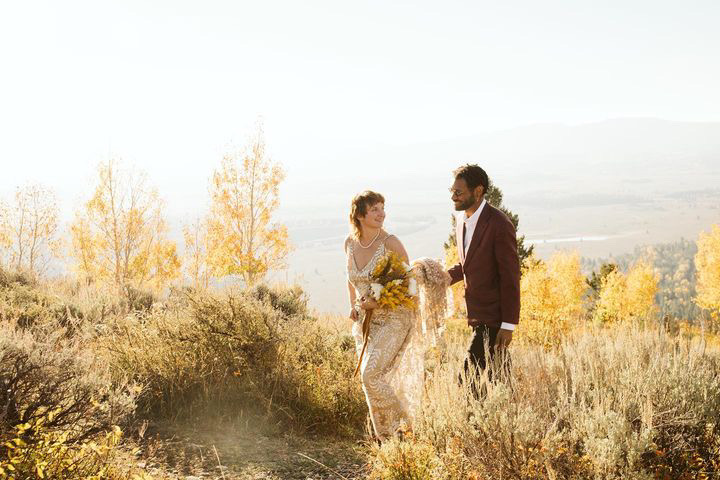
point(551, 299)
point(609, 305)
point(707, 264)
point(627, 297)
point(196, 254)
point(29, 229)
point(83, 248)
point(120, 235)
point(642, 285)
point(4, 230)
point(242, 240)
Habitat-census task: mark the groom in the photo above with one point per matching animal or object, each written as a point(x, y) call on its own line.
point(490, 266)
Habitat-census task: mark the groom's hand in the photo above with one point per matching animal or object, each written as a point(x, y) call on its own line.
point(503, 339)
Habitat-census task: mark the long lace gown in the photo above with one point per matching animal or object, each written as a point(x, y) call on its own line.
point(392, 366)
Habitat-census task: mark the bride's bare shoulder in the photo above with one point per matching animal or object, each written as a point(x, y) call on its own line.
point(392, 240)
point(394, 244)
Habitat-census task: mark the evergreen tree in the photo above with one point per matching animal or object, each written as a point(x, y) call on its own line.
point(596, 278)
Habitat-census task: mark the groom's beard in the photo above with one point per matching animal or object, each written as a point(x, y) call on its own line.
point(465, 205)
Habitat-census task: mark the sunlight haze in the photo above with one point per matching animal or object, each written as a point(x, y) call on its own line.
point(356, 95)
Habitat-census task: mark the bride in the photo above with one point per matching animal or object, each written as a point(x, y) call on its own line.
point(391, 369)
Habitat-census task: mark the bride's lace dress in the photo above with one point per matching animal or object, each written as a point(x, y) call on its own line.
point(392, 367)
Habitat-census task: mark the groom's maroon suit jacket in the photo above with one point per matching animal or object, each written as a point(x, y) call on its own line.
point(491, 270)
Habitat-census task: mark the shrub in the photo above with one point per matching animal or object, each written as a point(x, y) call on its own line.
point(29, 307)
point(135, 300)
point(290, 301)
point(258, 350)
point(40, 375)
point(406, 460)
point(66, 304)
point(37, 452)
point(8, 277)
point(612, 403)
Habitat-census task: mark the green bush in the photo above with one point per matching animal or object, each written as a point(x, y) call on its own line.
point(291, 302)
point(46, 374)
point(30, 307)
point(259, 350)
point(135, 300)
point(9, 277)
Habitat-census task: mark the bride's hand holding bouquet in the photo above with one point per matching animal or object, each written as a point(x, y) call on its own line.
point(392, 285)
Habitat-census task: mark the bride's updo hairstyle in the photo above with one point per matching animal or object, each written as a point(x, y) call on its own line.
point(361, 203)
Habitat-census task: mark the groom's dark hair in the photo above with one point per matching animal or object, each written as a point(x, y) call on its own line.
point(473, 175)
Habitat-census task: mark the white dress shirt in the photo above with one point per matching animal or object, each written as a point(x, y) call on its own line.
point(470, 224)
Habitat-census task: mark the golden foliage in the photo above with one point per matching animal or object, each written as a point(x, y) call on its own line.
point(551, 296)
point(196, 254)
point(28, 229)
point(39, 452)
point(4, 230)
point(626, 297)
point(707, 263)
point(697, 333)
point(120, 235)
point(405, 459)
point(244, 194)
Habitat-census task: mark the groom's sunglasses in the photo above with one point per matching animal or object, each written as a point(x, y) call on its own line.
point(455, 192)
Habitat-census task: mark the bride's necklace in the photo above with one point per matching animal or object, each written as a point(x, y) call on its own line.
point(371, 241)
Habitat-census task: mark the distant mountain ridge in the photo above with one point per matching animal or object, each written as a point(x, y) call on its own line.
point(598, 188)
point(602, 157)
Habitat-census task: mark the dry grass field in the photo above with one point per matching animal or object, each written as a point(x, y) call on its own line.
point(252, 385)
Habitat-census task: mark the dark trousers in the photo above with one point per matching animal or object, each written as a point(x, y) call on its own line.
point(482, 356)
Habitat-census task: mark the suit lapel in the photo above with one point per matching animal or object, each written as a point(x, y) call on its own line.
point(479, 231)
point(459, 238)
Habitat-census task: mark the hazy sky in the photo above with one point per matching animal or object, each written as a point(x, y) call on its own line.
point(170, 85)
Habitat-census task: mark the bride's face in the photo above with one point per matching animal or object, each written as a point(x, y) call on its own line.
point(374, 217)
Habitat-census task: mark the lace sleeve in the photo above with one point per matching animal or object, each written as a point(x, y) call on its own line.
point(432, 292)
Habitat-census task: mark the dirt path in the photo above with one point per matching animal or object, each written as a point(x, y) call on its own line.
point(231, 453)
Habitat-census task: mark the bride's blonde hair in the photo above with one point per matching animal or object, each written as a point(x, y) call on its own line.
point(359, 208)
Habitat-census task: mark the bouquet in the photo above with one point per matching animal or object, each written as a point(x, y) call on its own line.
point(392, 285)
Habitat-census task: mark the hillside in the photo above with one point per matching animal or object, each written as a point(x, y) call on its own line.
point(251, 386)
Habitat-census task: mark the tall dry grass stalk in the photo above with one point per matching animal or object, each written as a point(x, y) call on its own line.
point(607, 403)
